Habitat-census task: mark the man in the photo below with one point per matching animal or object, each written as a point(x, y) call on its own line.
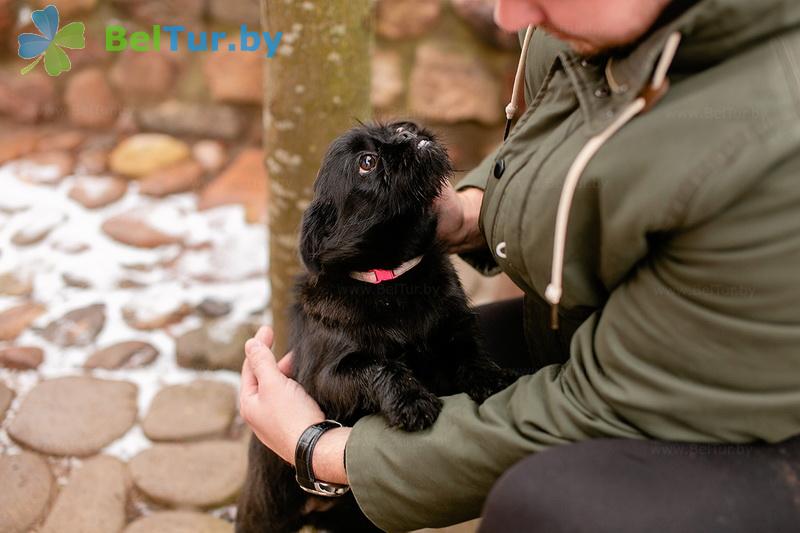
point(646, 202)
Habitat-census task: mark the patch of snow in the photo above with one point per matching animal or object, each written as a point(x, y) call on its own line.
point(151, 303)
point(95, 187)
point(36, 172)
point(224, 258)
point(37, 221)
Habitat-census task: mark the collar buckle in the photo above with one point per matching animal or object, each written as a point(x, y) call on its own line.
point(382, 275)
point(379, 275)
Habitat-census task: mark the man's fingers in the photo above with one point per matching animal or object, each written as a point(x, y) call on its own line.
point(262, 361)
point(266, 335)
point(249, 381)
point(285, 364)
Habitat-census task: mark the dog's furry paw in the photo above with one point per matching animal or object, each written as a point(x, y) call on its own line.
point(415, 411)
point(490, 382)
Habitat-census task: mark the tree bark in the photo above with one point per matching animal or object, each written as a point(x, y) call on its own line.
point(315, 87)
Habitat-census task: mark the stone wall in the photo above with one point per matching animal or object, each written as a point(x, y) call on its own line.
point(208, 95)
point(441, 61)
point(446, 64)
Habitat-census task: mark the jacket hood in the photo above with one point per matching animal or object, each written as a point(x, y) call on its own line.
point(716, 29)
point(712, 31)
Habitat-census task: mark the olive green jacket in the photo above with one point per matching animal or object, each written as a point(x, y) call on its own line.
point(683, 250)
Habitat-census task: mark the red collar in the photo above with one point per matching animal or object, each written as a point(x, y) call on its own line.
point(377, 275)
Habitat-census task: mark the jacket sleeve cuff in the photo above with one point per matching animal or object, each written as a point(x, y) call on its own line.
point(360, 474)
point(479, 176)
point(387, 495)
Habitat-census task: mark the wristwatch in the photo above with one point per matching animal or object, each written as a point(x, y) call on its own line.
point(303, 454)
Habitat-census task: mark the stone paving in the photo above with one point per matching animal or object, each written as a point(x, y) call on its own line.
point(131, 273)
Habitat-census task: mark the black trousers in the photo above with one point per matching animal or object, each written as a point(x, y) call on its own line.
point(636, 486)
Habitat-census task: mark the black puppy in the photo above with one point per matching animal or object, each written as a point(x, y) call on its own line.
point(381, 323)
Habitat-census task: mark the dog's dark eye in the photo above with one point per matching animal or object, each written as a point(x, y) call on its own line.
point(367, 163)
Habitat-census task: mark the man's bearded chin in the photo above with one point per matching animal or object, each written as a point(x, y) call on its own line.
point(578, 45)
point(585, 48)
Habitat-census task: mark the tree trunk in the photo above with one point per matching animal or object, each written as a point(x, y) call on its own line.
point(315, 87)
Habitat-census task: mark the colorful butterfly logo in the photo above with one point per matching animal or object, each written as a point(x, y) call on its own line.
point(49, 45)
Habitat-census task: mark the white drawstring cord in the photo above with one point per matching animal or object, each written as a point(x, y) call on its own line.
point(519, 78)
point(555, 289)
point(519, 82)
point(667, 57)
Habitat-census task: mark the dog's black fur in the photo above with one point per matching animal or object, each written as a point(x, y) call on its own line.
point(359, 348)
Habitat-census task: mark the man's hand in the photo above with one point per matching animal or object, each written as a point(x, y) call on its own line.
point(278, 409)
point(458, 219)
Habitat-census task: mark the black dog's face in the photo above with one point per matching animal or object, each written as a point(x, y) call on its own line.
point(373, 199)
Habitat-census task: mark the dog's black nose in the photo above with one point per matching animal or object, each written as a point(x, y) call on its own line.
point(405, 135)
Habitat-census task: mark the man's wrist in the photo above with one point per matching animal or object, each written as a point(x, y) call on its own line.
point(328, 458)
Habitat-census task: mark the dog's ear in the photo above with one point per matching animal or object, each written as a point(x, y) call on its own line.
point(318, 222)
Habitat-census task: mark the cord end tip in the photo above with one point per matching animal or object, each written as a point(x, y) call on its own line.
point(553, 295)
point(511, 111)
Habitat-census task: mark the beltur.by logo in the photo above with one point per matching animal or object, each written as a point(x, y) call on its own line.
point(50, 44)
point(117, 40)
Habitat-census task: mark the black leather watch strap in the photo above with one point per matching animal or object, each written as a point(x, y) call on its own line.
point(303, 461)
